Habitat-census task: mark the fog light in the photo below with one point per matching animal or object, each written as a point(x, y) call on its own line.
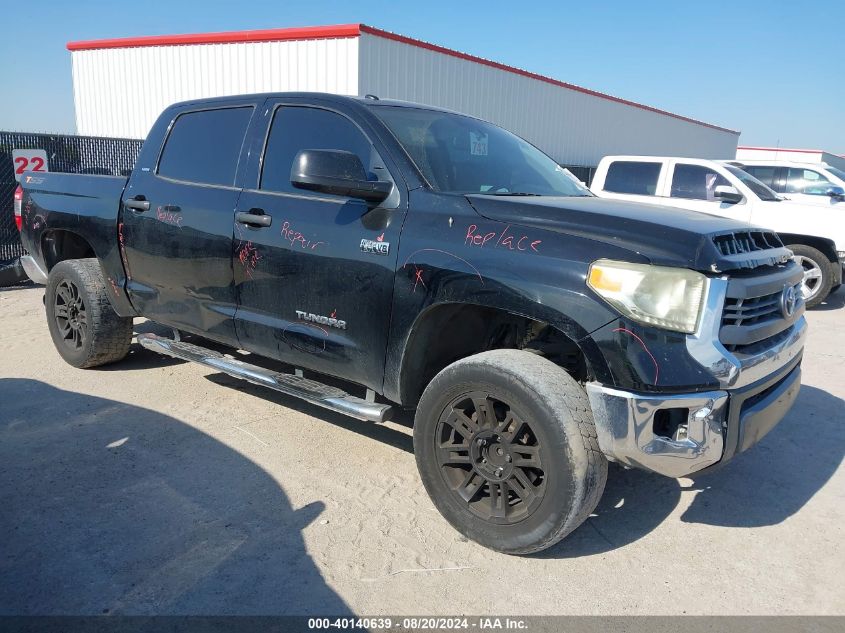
point(671, 423)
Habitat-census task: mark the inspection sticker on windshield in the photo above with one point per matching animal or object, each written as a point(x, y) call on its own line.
point(477, 144)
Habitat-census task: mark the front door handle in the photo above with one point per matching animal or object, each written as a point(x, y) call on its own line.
point(137, 203)
point(254, 217)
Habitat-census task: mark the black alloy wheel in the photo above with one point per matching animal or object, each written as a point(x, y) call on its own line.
point(70, 315)
point(490, 458)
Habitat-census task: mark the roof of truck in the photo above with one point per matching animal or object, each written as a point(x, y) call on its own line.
point(369, 100)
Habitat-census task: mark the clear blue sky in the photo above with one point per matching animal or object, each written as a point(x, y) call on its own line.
point(774, 70)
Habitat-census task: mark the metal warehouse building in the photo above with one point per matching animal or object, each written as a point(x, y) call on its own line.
point(121, 85)
point(816, 156)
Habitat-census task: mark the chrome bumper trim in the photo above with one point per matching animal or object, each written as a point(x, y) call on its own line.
point(33, 270)
point(625, 428)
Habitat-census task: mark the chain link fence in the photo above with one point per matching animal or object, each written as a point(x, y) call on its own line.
point(65, 153)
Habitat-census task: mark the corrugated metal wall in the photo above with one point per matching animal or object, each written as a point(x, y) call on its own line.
point(121, 91)
point(572, 127)
point(795, 155)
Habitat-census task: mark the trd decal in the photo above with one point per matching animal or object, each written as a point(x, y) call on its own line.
point(318, 318)
point(377, 246)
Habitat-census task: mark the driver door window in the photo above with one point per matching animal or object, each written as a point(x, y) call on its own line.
point(695, 182)
point(298, 128)
point(807, 182)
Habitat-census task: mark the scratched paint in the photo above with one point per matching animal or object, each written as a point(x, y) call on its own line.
point(506, 239)
point(418, 280)
point(410, 261)
point(249, 257)
point(305, 337)
point(645, 347)
point(297, 239)
point(121, 247)
point(114, 287)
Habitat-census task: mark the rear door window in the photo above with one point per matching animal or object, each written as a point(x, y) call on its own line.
point(696, 182)
point(763, 173)
point(204, 146)
point(807, 181)
point(639, 178)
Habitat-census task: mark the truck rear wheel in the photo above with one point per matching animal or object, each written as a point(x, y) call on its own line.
point(506, 448)
point(818, 277)
point(85, 329)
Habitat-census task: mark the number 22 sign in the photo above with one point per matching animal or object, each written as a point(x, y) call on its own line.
point(28, 160)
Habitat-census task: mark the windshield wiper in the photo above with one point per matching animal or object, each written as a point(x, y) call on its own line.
point(508, 193)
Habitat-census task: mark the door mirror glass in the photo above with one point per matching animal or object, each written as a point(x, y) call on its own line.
point(726, 193)
point(837, 193)
point(336, 172)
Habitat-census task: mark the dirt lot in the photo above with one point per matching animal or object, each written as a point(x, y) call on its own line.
point(155, 486)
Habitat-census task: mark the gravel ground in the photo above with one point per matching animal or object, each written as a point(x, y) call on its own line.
point(160, 487)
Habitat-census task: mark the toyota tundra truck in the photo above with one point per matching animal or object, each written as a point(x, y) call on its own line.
point(430, 261)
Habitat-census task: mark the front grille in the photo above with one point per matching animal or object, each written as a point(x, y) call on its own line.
point(739, 242)
point(753, 317)
point(752, 310)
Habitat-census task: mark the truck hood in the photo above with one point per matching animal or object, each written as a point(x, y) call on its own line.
point(666, 236)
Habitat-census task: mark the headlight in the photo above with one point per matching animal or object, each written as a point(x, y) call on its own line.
point(668, 298)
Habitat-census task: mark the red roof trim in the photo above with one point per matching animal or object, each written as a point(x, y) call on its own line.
point(226, 37)
point(354, 30)
point(784, 149)
point(518, 71)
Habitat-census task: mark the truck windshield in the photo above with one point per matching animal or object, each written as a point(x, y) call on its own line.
point(460, 154)
point(757, 188)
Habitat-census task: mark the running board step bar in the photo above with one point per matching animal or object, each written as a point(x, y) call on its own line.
point(289, 384)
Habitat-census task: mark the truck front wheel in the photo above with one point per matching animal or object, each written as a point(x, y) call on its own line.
point(506, 448)
point(818, 276)
point(85, 329)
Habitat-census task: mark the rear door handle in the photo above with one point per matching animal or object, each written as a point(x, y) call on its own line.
point(137, 203)
point(254, 217)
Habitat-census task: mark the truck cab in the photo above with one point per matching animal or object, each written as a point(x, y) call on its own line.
point(816, 236)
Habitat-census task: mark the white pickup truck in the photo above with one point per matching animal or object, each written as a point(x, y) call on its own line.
point(814, 234)
point(819, 184)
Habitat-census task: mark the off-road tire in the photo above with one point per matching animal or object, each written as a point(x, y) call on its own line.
point(825, 281)
point(104, 337)
point(535, 389)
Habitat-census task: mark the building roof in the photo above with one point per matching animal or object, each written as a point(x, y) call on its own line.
point(787, 149)
point(353, 30)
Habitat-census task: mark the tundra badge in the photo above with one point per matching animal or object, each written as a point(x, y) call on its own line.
point(324, 320)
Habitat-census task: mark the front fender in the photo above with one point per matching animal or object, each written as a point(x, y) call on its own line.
point(450, 255)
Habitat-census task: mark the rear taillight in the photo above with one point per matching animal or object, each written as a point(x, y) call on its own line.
point(18, 206)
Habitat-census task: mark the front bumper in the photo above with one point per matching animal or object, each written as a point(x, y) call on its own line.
point(679, 434)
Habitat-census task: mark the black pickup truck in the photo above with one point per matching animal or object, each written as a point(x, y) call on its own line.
point(431, 261)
